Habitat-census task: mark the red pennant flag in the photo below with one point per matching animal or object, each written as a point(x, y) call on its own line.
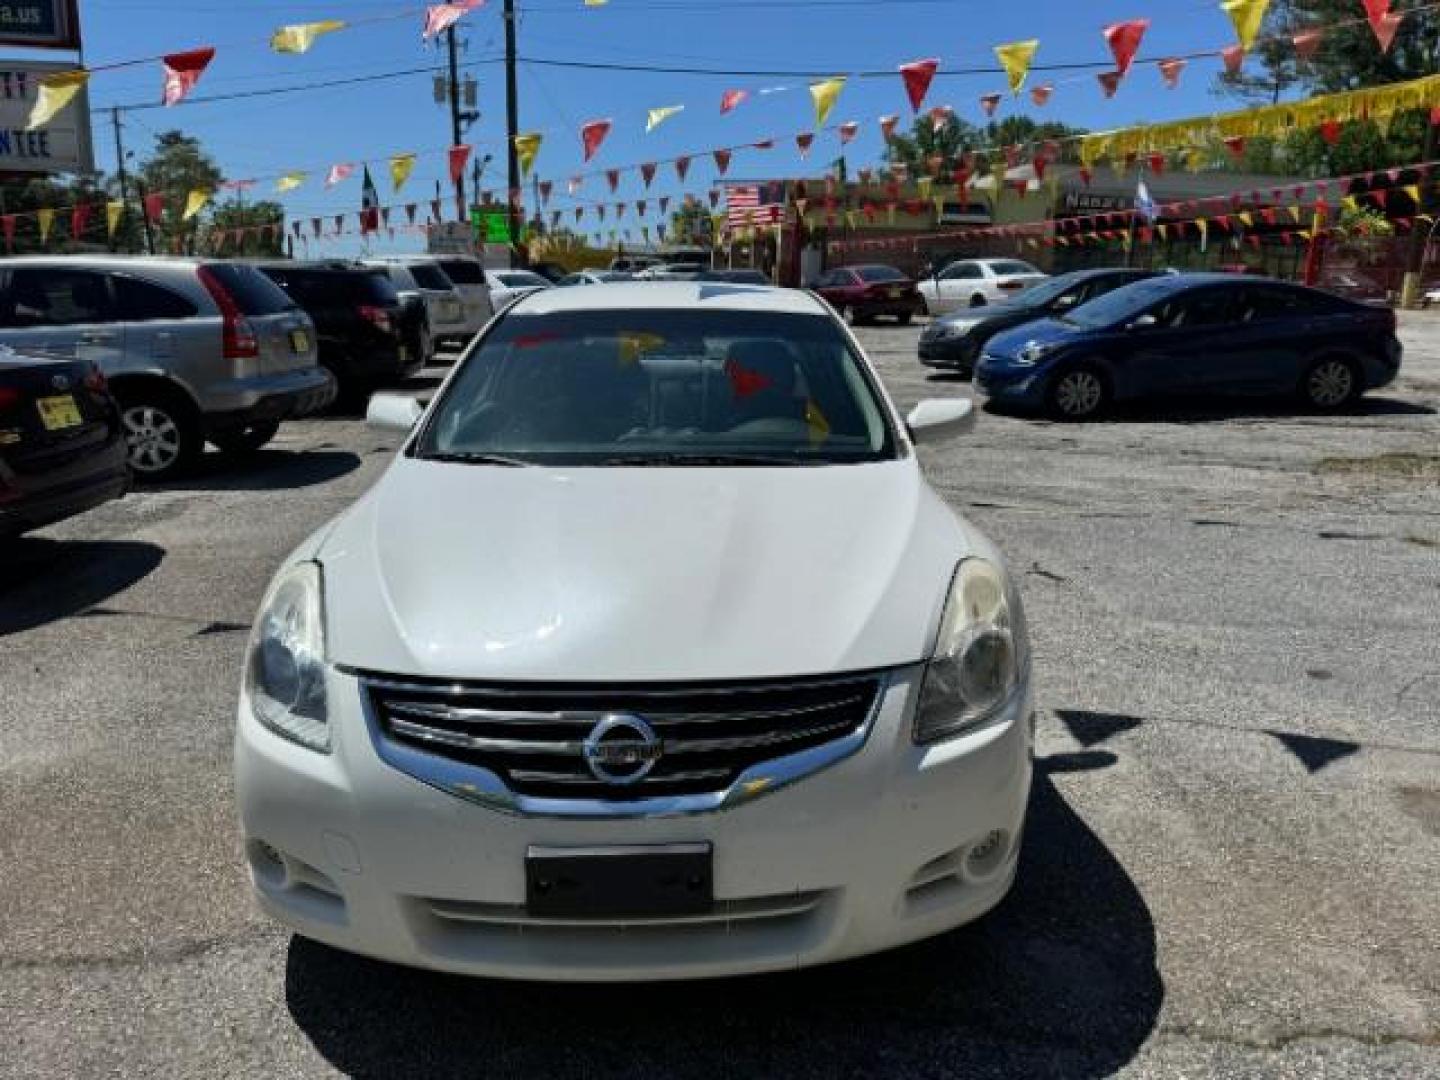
point(435, 209)
point(410, 209)
point(1330, 131)
point(1109, 82)
point(990, 102)
point(664, 203)
point(1234, 57)
point(1386, 27)
point(154, 206)
point(1085, 176)
point(887, 127)
point(1040, 95)
point(315, 226)
point(182, 71)
point(546, 187)
point(1307, 43)
point(1038, 163)
point(79, 218)
point(731, 99)
point(682, 167)
point(918, 76)
point(1382, 197)
point(1157, 164)
point(1124, 39)
point(7, 225)
point(1236, 145)
point(1170, 71)
point(459, 156)
point(647, 172)
point(848, 131)
point(612, 177)
point(640, 205)
point(722, 161)
point(804, 141)
point(592, 135)
point(1435, 116)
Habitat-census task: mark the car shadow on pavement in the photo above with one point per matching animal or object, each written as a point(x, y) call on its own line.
point(43, 580)
point(1060, 980)
point(264, 470)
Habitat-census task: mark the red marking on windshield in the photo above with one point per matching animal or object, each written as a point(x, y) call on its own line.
point(744, 382)
point(530, 341)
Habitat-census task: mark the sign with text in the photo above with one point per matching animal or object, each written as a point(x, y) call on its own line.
point(491, 226)
point(62, 145)
point(40, 24)
point(451, 238)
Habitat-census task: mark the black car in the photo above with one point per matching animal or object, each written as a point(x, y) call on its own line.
point(956, 340)
point(734, 277)
point(1205, 334)
point(365, 334)
point(62, 446)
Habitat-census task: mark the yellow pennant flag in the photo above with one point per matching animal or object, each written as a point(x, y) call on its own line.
point(659, 116)
point(1016, 58)
point(401, 166)
point(45, 218)
point(1164, 231)
point(825, 94)
point(1294, 213)
point(113, 211)
point(939, 207)
point(298, 37)
point(924, 184)
point(526, 148)
point(290, 181)
point(1351, 203)
point(194, 203)
point(1204, 227)
point(1413, 190)
point(1194, 159)
point(56, 92)
point(1247, 219)
point(1247, 15)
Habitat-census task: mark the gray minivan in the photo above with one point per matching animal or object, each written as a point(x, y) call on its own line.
point(194, 349)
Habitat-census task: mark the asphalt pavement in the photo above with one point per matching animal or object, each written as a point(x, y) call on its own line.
point(1231, 867)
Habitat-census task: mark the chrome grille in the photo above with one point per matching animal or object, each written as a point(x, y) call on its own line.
point(534, 738)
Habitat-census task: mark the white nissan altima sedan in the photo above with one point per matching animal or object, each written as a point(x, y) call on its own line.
point(652, 655)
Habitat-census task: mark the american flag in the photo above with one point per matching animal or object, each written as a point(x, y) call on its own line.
point(754, 204)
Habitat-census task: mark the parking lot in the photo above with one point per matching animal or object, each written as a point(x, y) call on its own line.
point(1230, 869)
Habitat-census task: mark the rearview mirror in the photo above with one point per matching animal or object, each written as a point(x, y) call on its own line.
point(936, 419)
point(1144, 322)
point(393, 412)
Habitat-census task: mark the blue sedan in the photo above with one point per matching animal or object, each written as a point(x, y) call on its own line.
point(1194, 334)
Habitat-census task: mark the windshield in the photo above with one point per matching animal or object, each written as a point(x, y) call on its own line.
point(1119, 306)
point(522, 279)
point(879, 273)
point(665, 387)
point(1046, 291)
point(429, 276)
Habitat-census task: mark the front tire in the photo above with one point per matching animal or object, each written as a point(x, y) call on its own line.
point(1077, 393)
point(978, 300)
point(905, 317)
point(162, 432)
point(246, 440)
point(1330, 383)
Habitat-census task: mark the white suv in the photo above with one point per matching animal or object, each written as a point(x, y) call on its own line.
point(651, 656)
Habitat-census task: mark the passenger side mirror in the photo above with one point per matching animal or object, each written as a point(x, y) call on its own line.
point(1144, 322)
point(393, 412)
point(936, 419)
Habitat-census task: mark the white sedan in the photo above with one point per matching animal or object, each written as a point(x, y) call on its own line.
point(508, 285)
point(977, 282)
point(652, 655)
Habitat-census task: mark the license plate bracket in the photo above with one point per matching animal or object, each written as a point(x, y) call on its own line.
point(636, 881)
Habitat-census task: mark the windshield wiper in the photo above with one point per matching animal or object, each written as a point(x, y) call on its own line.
point(683, 460)
point(468, 457)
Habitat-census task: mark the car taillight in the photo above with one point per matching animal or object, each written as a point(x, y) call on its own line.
point(96, 382)
point(9, 398)
point(238, 340)
point(376, 316)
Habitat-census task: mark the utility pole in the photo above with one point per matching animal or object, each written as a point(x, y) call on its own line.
point(512, 125)
point(120, 163)
point(456, 134)
point(1420, 238)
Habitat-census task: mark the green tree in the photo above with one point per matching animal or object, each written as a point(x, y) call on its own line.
point(252, 216)
point(953, 140)
point(177, 166)
point(690, 225)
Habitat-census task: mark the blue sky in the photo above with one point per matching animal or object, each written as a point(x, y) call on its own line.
point(309, 131)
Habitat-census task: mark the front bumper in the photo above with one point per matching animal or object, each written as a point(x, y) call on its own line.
point(958, 354)
point(270, 397)
point(1006, 383)
point(870, 853)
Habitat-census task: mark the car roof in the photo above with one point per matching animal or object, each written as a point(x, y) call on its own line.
point(651, 295)
point(1180, 282)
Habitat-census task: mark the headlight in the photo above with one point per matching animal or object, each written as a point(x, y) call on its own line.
point(956, 329)
point(980, 656)
point(1032, 353)
point(285, 670)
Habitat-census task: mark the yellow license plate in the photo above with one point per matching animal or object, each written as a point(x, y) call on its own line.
point(299, 341)
point(895, 294)
point(59, 412)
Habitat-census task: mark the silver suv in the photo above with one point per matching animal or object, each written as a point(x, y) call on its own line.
point(194, 349)
point(444, 308)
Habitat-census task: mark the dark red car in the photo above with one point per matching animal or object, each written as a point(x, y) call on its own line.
point(861, 293)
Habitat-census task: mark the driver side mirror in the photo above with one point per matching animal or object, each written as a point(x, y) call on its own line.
point(393, 412)
point(1144, 322)
point(936, 419)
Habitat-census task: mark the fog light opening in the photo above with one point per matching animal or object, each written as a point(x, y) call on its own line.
point(987, 854)
point(267, 864)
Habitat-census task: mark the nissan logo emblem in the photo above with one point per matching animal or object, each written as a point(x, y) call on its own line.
point(621, 749)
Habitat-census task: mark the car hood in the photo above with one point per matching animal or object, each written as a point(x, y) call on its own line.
point(1044, 331)
point(659, 574)
point(1002, 314)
